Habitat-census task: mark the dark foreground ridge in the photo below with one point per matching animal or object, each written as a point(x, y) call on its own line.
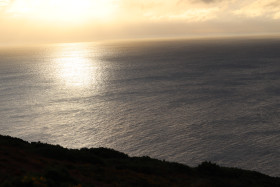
point(40, 164)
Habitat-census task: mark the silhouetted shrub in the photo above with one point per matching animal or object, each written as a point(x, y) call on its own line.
point(105, 153)
point(208, 168)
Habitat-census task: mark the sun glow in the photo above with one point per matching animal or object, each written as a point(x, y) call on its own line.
point(63, 10)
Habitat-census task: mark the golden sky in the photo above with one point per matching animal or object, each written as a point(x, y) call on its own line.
point(90, 20)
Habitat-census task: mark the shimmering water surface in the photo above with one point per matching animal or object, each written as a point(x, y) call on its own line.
point(182, 100)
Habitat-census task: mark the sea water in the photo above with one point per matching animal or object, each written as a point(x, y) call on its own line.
point(180, 100)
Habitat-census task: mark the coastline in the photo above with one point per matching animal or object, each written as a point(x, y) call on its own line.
point(40, 164)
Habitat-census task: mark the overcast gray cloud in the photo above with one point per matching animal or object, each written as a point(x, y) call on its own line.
point(208, 1)
point(199, 1)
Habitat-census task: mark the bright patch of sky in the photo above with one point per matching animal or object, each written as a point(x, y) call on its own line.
point(101, 19)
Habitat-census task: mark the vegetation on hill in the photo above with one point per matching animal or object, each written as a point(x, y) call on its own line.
point(40, 164)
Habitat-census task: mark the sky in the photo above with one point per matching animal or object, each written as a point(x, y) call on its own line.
point(91, 20)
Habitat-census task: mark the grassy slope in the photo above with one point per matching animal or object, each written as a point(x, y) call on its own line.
point(38, 164)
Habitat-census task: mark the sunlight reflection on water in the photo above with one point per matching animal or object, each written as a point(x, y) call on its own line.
point(74, 68)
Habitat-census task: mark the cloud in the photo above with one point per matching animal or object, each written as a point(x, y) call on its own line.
point(135, 18)
point(208, 1)
point(199, 1)
point(166, 10)
point(4, 4)
point(192, 15)
point(269, 9)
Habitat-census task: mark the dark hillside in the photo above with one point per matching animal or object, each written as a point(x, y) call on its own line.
point(39, 164)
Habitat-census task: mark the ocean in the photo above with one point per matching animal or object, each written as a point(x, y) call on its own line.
point(188, 100)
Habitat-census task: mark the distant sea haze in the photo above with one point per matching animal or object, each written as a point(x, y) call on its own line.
point(180, 100)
